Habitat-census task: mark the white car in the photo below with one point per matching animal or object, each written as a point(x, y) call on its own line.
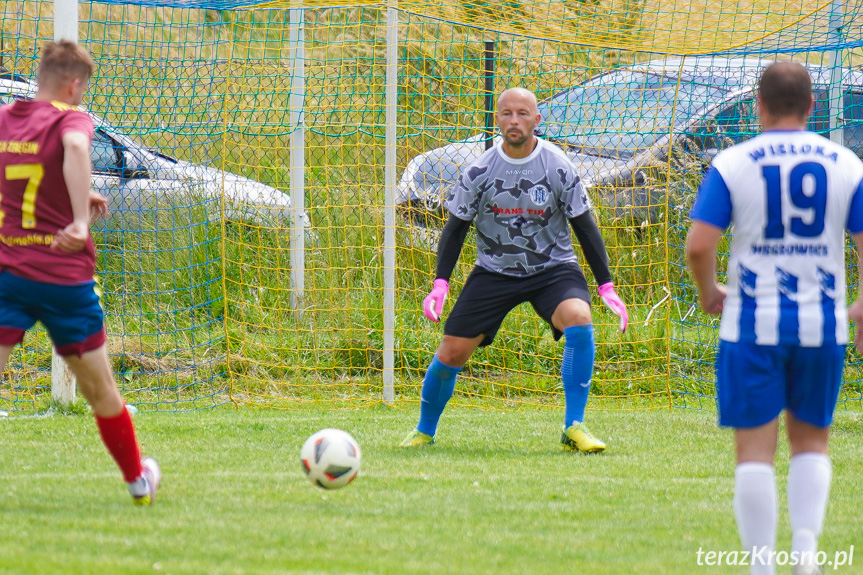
point(136, 180)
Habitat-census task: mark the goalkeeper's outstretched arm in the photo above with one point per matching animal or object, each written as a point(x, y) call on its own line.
point(450, 244)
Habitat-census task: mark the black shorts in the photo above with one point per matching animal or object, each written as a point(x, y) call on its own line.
point(487, 297)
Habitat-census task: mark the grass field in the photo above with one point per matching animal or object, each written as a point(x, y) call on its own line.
point(495, 495)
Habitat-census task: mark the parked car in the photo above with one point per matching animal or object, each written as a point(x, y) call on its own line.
point(137, 180)
point(619, 123)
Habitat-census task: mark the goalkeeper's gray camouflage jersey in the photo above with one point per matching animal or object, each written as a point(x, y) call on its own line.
point(522, 207)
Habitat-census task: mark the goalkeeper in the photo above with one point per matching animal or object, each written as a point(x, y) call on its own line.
point(521, 196)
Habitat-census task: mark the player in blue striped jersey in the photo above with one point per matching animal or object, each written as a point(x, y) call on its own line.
point(788, 195)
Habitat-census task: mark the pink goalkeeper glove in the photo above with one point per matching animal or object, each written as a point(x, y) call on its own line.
point(614, 303)
point(433, 303)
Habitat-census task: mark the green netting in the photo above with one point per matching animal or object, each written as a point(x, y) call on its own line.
point(202, 102)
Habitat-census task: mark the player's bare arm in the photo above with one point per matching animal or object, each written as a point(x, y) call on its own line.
point(98, 206)
point(76, 171)
point(855, 312)
point(701, 253)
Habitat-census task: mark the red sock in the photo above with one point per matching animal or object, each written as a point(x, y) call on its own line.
point(119, 437)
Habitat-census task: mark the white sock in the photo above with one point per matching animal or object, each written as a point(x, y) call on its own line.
point(755, 510)
point(808, 489)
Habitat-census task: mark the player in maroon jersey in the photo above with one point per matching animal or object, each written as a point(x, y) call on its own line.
point(47, 258)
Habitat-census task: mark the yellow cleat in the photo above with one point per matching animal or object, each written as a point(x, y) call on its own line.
point(151, 477)
point(417, 438)
point(143, 501)
point(578, 438)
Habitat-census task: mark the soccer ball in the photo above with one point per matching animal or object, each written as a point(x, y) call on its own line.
point(331, 458)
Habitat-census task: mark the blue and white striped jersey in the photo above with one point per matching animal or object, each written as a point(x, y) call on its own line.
point(790, 196)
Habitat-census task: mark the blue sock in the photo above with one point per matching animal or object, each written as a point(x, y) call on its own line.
point(438, 387)
point(577, 369)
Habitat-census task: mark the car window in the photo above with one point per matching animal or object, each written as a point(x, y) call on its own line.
point(733, 123)
point(819, 120)
point(852, 115)
point(703, 137)
point(737, 123)
point(854, 122)
point(105, 154)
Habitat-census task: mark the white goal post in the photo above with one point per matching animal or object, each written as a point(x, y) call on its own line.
point(62, 381)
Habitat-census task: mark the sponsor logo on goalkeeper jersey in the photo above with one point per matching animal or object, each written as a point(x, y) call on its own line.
point(516, 211)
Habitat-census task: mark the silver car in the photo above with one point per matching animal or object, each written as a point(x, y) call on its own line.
point(619, 124)
point(137, 180)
